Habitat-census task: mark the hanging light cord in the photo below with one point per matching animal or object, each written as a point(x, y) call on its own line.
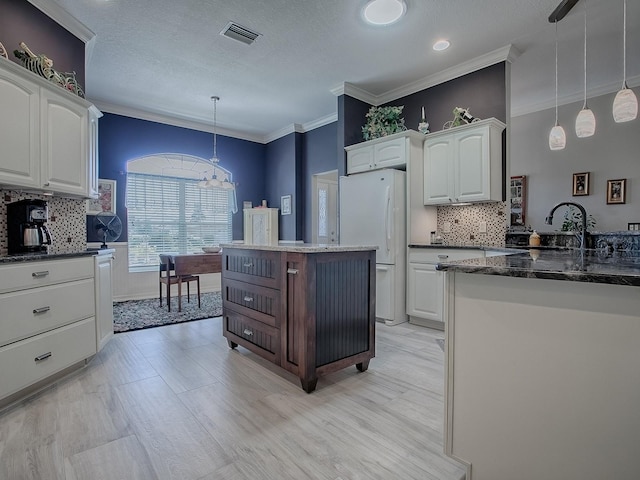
point(556, 23)
point(584, 105)
point(624, 45)
point(215, 143)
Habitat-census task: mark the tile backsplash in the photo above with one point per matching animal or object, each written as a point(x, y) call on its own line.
point(67, 221)
point(465, 220)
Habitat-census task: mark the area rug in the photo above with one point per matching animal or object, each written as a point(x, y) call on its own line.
point(138, 314)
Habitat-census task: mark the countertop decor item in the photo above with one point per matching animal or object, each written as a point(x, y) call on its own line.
point(461, 116)
point(534, 239)
point(383, 121)
point(212, 249)
point(573, 222)
point(423, 126)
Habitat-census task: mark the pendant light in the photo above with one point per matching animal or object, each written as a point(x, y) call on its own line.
point(214, 182)
point(586, 120)
point(625, 105)
point(557, 137)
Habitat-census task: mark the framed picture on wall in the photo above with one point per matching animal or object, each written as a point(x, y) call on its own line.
point(106, 201)
point(616, 191)
point(518, 200)
point(285, 205)
point(580, 184)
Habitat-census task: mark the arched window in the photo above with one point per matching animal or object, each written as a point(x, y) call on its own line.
point(168, 211)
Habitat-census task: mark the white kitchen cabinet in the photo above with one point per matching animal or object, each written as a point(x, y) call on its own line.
point(104, 299)
point(48, 323)
point(391, 151)
point(261, 226)
point(46, 134)
point(464, 164)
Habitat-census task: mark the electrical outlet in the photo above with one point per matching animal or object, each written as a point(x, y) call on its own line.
point(446, 227)
point(482, 227)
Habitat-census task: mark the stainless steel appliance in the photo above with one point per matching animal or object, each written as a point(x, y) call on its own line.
point(26, 227)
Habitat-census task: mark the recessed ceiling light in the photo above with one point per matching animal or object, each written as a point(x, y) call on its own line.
point(384, 12)
point(441, 45)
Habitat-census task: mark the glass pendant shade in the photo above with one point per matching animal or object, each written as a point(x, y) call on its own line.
point(625, 106)
point(557, 138)
point(585, 123)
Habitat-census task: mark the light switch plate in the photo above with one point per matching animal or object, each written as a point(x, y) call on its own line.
point(482, 227)
point(446, 227)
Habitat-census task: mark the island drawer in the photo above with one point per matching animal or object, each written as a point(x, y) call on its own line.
point(30, 312)
point(258, 267)
point(261, 303)
point(37, 274)
point(251, 333)
point(29, 361)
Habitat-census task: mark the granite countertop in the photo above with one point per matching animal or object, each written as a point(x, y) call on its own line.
point(302, 247)
point(462, 247)
point(38, 257)
point(594, 266)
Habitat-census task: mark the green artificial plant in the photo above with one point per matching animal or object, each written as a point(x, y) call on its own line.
point(383, 121)
point(573, 221)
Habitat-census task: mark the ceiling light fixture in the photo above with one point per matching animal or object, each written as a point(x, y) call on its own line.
point(214, 181)
point(557, 137)
point(586, 120)
point(625, 105)
point(441, 45)
point(384, 12)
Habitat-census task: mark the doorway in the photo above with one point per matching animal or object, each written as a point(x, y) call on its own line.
point(325, 208)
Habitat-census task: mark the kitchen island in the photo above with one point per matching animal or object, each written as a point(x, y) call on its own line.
point(307, 308)
point(541, 365)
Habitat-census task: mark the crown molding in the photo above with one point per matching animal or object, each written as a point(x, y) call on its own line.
point(64, 18)
point(604, 89)
point(175, 121)
point(355, 92)
point(320, 122)
point(283, 132)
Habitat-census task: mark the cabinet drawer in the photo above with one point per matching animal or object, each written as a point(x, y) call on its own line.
point(261, 303)
point(256, 333)
point(29, 312)
point(257, 267)
point(37, 274)
point(29, 361)
point(438, 255)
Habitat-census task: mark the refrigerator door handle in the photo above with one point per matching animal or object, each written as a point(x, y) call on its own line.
point(387, 218)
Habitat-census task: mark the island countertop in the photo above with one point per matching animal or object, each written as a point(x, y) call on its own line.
point(593, 266)
point(302, 247)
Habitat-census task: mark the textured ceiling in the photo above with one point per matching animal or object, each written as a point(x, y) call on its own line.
point(164, 59)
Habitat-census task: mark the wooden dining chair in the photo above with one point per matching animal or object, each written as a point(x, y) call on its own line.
point(168, 278)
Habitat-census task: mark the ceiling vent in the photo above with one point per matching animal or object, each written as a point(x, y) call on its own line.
point(240, 33)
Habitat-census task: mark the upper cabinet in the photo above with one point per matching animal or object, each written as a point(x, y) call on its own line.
point(386, 152)
point(464, 164)
point(49, 136)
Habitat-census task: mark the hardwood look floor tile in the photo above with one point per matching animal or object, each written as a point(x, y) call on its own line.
point(176, 402)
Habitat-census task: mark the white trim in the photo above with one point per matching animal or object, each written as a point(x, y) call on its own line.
point(64, 18)
point(283, 132)
point(320, 122)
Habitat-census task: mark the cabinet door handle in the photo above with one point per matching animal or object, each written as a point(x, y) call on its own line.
point(443, 257)
point(247, 265)
point(292, 271)
point(248, 299)
point(46, 184)
point(41, 310)
point(44, 356)
point(40, 274)
point(247, 332)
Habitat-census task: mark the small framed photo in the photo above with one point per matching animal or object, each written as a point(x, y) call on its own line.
point(580, 184)
point(106, 201)
point(285, 205)
point(616, 191)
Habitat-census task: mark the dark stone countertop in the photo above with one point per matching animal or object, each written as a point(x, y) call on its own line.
point(594, 266)
point(462, 247)
point(38, 257)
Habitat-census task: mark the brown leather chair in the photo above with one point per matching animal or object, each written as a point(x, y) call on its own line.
point(167, 278)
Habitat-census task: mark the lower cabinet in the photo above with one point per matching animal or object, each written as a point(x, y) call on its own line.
point(425, 295)
point(104, 299)
point(48, 322)
point(310, 313)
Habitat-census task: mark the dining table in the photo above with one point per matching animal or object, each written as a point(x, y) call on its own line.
point(193, 264)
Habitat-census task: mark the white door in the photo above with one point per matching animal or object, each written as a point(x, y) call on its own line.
point(325, 208)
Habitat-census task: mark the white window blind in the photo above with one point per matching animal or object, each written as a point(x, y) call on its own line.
point(172, 215)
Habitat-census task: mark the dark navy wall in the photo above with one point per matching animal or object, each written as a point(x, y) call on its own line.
point(319, 155)
point(122, 139)
point(22, 22)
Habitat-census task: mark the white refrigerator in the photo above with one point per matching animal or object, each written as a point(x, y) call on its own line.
point(373, 212)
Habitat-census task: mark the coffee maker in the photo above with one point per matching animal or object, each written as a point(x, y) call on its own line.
point(26, 228)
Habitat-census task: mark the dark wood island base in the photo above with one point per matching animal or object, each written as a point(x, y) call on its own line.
point(308, 309)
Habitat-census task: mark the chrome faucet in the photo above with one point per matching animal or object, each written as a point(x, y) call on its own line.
point(583, 213)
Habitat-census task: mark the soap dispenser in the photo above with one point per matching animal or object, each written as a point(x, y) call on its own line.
point(534, 239)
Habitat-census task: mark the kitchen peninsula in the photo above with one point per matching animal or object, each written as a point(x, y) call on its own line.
point(541, 366)
point(307, 308)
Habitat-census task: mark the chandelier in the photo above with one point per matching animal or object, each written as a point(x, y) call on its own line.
point(216, 177)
